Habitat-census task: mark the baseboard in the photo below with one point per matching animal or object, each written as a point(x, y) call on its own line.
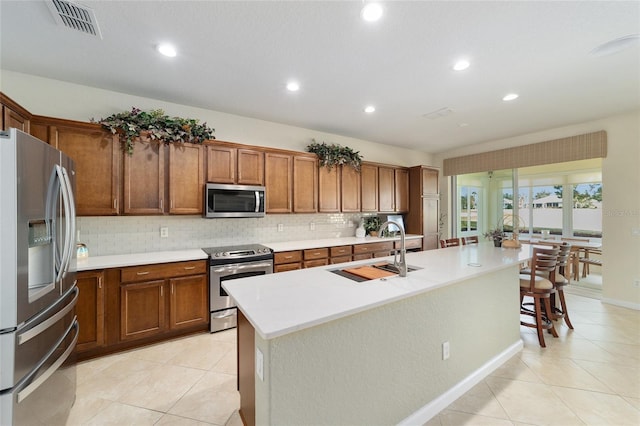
point(430, 410)
point(622, 303)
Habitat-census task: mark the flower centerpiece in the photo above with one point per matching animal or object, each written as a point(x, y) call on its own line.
point(496, 234)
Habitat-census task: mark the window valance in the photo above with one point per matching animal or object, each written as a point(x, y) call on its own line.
point(580, 147)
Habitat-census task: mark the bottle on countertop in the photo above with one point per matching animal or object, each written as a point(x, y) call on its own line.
point(360, 232)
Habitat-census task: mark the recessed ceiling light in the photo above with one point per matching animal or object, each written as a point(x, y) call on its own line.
point(510, 97)
point(369, 109)
point(463, 125)
point(293, 86)
point(167, 50)
point(371, 12)
point(461, 65)
point(615, 46)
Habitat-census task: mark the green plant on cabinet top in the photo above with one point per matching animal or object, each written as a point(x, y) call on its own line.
point(335, 155)
point(131, 124)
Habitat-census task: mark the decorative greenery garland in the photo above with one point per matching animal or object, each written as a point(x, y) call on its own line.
point(335, 155)
point(130, 124)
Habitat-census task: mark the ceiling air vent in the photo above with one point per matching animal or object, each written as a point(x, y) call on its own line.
point(439, 113)
point(74, 16)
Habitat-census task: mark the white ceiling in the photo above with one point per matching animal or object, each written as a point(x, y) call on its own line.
point(237, 57)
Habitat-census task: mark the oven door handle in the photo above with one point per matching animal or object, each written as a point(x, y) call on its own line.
point(241, 267)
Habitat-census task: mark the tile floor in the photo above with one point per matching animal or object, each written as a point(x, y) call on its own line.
point(588, 376)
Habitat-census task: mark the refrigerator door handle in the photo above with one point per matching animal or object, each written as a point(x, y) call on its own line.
point(24, 393)
point(70, 217)
point(30, 334)
point(67, 230)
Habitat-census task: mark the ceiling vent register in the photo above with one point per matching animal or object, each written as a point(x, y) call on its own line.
point(74, 16)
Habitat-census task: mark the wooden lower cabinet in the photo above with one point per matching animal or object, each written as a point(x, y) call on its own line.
point(189, 301)
point(287, 261)
point(142, 309)
point(90, 310)
point(246, 370)
point(367, 251)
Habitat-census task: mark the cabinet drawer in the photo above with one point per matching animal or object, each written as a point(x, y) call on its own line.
point(410, 244)
point(340, 251)
point(163, 271)
point(372, 247)
point(287, 267)
point(340, 259)
point(319, 253)
point(316, 262)
point(363, 256)
point(287, 257)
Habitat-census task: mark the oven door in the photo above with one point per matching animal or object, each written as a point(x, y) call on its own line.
point(219, 299)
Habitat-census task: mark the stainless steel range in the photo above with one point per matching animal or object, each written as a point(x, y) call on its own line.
point(230, 263)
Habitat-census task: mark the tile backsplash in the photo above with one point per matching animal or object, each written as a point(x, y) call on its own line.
point(106, 235)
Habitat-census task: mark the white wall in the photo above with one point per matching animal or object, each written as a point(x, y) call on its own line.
point(621, 197)
point(59, 99)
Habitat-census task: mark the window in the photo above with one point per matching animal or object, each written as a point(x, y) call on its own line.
point(586, 212)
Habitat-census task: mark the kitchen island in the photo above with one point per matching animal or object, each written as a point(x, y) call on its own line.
point(329, 350)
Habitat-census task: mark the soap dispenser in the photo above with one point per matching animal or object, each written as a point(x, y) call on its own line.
point(82, 252)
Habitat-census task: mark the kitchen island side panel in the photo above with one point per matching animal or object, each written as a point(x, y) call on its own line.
point(381, 365)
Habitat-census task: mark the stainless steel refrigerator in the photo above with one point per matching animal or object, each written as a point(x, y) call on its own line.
point(38, 326)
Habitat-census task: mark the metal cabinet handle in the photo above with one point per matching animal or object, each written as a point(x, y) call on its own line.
point(188, 268)
point(288, 257)
point(142, 273)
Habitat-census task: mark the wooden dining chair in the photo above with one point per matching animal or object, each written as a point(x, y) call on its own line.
point(540, 289)
point(451, 242)
point(562, 279)
point(473, 239)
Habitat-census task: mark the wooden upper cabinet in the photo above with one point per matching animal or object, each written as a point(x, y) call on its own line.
point(144, 178)
point(13, 115)
point(329, 190)
point(401, 190)
point(221, 164)
point(430, 183)
point(305, 184)
point(250, 167)
point(278, 172)
point(369, 187)
point(96, 154)
point(186, 178)
point(350, 189)
point(386, 189)
point(228, 164)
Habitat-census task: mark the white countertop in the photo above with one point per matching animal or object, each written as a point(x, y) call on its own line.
point(120, 260)
point(331, 242)
point(285, 302)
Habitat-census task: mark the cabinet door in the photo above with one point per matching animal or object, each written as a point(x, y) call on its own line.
point(144, 178)
point(142, 310)
point(386, 189)
point(221, 164)
point(13, 115)
point(278, 182)
point(369, 185)
point(186, 178)
point(250, 167)
point(96, 155)
point(11, 118)
point(430, 219)
point(189, 301)
point(430, 181)
point(401, 190)
point(350, 189)
point(90, 310)
point(329, 190)
point(305, 184)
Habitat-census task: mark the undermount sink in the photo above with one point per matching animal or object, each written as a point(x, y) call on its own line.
point(371, 271)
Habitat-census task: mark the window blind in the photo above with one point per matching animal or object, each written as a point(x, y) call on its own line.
point(573, 148)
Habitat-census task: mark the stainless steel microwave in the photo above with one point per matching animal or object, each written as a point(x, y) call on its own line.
point(223, 200)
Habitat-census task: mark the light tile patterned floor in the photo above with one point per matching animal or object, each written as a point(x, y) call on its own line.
point(588, 376)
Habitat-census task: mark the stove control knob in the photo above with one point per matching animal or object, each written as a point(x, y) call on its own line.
point(226, 253)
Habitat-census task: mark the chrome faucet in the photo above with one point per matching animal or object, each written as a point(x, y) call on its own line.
point(402, 265)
